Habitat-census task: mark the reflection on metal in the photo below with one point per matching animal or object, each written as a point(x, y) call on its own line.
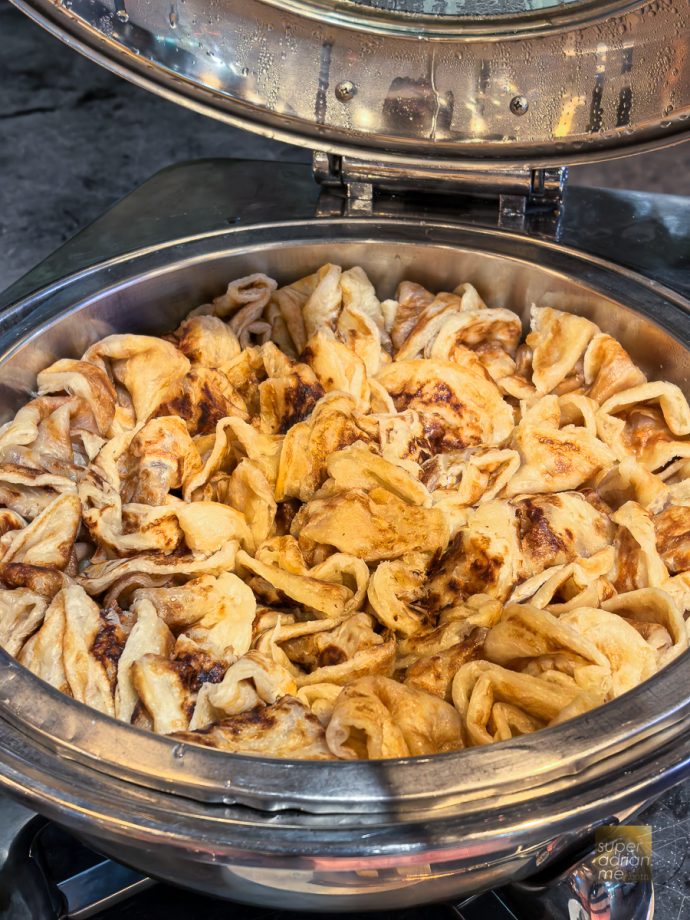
point(100, 888)
point(453, 18)
point(519, 105)
point(345, 91)
point(595, 89)
point(456, 8)
point(579, 893)
point(575, 892)
point(542, 184)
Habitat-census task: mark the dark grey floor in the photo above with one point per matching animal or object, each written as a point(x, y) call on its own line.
point(74, 139)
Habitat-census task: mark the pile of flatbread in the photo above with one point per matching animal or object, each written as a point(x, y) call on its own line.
point(312, 524)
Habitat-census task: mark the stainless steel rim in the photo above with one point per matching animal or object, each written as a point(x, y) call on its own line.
point(114, 806)
point(525, 22)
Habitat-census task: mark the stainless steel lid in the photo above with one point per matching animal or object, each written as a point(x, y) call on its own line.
point(476, 82)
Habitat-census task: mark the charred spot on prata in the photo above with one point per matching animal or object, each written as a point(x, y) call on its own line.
point(303, 397)
point(260, 716)
point(420, 449)
point(307, 355)
point(331, 655)
point(442, 394)
point(285, 514)
point(483, 567)
point(108, 644)
point(440, 559)
point(211, 410)
point(534, 528)
point(198, 669)
point(38, 578)
point(181, 406)
point(438, 436)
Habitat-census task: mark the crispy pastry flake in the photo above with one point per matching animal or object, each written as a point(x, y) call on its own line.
point(21, 613)
point(372, 525)
point(485, 557)
point(378, 717)
point(208, 341)
point(558, 341)
point(609, 369)
point(83, 380)
point(458, 404)
point(554, 459)
point(285, 729)
point(252, 681)
point(49, 539)
point(496, 703)
point(324, 597)
point(338, 367)
point(99, 576)
point(85, 670)
point(43, 653)
point(147, 370)
point(149, 636)
point(307, 446)
point(631, 659)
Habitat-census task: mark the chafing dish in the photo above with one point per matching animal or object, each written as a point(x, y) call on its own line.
point(445, 106)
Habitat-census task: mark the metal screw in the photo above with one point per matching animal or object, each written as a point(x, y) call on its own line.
point(345, 91)
point(519, 105)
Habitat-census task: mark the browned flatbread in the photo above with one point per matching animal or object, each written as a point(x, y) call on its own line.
point(309, 523)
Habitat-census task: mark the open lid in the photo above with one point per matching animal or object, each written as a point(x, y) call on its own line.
point(515, 82)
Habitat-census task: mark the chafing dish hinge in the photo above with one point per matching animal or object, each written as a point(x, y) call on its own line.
point(518, 192)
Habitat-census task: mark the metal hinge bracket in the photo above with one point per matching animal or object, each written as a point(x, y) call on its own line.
point(355, 185)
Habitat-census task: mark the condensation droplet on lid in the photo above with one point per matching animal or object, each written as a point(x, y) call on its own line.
point(122, 15)
point(178, 751)
point(173, 18)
